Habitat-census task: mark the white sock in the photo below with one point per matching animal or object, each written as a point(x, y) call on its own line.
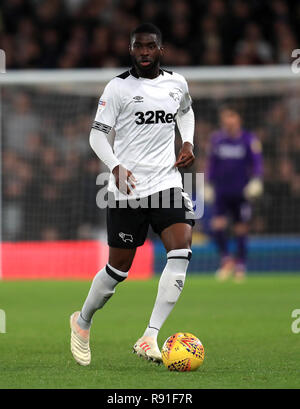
point(102, 288)
point(169, 289)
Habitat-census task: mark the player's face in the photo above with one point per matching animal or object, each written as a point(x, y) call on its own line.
point(230, 121)
point(145, 51)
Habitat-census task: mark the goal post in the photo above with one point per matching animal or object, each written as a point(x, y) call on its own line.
point(49, 171)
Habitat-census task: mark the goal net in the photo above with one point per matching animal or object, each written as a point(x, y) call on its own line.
point(49, 172)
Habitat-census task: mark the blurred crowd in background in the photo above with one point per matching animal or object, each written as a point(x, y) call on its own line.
point(95, 33)
point(49, 189)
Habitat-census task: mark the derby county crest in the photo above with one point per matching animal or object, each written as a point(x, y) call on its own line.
point(176, 94)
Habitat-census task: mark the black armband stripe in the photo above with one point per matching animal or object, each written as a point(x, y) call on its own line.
point(101, 127)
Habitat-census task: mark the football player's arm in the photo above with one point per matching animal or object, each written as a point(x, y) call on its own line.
point(254, 187)
point(101, 146)
point(186, 125)
point(105, 119)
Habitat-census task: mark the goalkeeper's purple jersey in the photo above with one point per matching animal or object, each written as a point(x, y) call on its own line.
point(233, 161)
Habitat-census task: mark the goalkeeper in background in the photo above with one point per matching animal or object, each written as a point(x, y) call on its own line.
point(234, 179)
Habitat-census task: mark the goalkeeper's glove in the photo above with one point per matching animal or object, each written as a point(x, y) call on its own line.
point(209, 193)
point(253, 189)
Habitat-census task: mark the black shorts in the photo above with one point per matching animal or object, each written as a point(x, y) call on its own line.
point(127, 227)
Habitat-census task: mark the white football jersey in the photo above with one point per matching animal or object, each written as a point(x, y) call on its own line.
point(142, 112)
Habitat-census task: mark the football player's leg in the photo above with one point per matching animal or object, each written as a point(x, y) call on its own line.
point(241, 235)
point(177, 241)
point(242, 216)
point(102, 288)
point(104, 283)
point(222, 207)
point(219, 225)
point(126, 229)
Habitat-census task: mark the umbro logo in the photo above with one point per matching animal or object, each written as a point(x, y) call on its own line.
point(138, 99)
point(126, 237)
point(179, 284)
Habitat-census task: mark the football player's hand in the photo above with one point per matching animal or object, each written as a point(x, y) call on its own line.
point(186, 156)
point(253, 189)
point(125, 181)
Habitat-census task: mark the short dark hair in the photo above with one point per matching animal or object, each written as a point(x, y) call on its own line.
point(147, 28)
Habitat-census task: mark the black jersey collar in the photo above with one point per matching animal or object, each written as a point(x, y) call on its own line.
point(134, 73)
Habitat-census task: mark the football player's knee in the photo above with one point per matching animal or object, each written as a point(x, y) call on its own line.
point(121, 264)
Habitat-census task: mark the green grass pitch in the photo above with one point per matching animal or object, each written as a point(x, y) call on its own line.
point(245, 329)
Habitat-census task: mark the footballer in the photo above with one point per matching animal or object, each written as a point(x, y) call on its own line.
point(234, 179)
point(138, 111)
